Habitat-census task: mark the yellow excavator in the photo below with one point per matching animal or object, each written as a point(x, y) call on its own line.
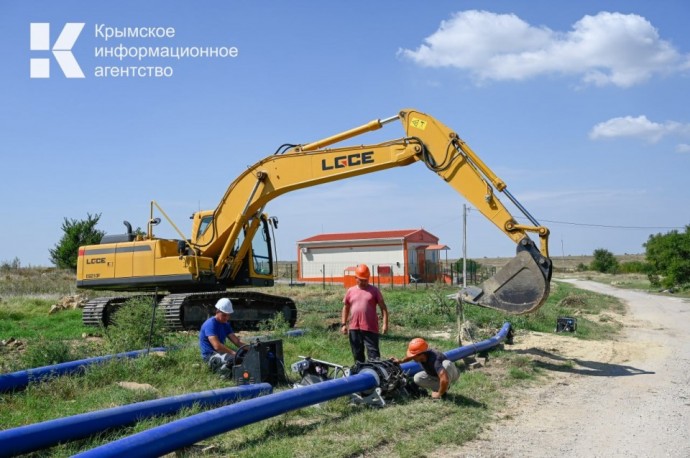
point(231, 246)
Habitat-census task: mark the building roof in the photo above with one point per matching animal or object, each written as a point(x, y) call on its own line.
point(438, 247)
point(369, 235)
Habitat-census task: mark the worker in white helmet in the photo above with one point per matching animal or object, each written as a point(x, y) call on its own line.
point(212, 337)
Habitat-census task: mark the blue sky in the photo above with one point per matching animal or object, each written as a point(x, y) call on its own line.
point(580, 107)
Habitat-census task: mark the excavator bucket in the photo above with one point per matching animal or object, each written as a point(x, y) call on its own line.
point(521, 286)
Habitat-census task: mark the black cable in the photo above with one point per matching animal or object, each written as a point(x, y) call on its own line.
point(153, 319)
point(429, 160)
point(596, 225)
point(610, 226)
point(287, 379)
point(284, 147)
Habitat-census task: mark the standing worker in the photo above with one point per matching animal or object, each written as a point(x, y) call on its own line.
point(359, 318)
point(212, 337)
point(438, 372)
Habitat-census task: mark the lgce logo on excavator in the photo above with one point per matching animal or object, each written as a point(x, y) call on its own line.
point(350, 160)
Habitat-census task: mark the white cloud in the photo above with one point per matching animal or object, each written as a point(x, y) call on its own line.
point(608, 48)
point(683, 148)
point(637, 127)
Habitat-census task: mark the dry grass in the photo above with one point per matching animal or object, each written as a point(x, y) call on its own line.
point(36, 281)
point(564, 263)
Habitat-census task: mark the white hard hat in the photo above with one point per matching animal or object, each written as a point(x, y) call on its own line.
point(224, 305)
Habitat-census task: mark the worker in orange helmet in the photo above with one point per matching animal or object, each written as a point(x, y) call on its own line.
point(360, 321)
point(438, 372)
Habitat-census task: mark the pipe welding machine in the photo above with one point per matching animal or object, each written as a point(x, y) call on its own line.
point(260, 362)
point(390, 378)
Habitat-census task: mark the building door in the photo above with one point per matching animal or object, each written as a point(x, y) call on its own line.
point(421, 263)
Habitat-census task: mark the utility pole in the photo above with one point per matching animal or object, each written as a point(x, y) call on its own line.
point(464, 245)
point(459, 310)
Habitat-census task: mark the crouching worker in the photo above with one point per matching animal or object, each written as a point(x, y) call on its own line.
point(438, 372)
point(214, 331)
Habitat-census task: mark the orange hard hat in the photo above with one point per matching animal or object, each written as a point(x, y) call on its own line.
point(362, 272)
point(417, 346)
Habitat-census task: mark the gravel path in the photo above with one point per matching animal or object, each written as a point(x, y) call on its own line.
point(623, 398)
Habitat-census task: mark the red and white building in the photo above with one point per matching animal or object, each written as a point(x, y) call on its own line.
point(396, 256)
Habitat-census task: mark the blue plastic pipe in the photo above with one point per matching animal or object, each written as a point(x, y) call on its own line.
point(412, 367)
point(29, 438)
point(187, 431)
point(19, 380)
point(296, 332)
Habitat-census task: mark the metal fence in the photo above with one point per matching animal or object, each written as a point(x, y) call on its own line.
point(383, 275)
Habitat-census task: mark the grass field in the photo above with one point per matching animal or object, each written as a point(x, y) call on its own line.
point(336, 428)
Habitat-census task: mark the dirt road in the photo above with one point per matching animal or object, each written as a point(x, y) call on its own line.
point(624, 398)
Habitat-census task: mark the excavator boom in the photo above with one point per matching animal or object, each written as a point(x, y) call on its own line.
point(520, 287)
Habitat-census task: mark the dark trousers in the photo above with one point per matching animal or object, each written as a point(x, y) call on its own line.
point(360, 339)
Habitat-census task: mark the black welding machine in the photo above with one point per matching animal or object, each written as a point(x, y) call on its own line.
point(260, 362)
point(566, 324)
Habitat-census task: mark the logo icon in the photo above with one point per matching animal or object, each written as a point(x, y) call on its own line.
point(350, 160)
point(62, 49)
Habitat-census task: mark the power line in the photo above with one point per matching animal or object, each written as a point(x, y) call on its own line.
point(611, 226)
point(602, 225)
point(608, 226)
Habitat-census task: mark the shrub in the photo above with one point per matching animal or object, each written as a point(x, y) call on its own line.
point(131, 326)
point(47, 353)
point(634, 267)
point(277, 325)
point(604, 261)
point(669, 258)
point(76, 234)
point(7, 266)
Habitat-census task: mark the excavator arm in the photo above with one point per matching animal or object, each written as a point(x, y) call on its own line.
point(522, 285)
point(519, 287)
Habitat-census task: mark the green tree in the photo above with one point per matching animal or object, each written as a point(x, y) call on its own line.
point(472, 267)
point(669, 258)
point(604, 261)
point(76, 234)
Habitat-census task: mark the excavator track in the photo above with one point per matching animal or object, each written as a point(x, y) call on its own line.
point(190, 310)
point(97, 311)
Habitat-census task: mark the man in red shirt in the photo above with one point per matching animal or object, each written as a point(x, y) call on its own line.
point(359, 318)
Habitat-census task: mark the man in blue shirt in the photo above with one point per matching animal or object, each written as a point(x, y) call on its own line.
point(212, 337)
